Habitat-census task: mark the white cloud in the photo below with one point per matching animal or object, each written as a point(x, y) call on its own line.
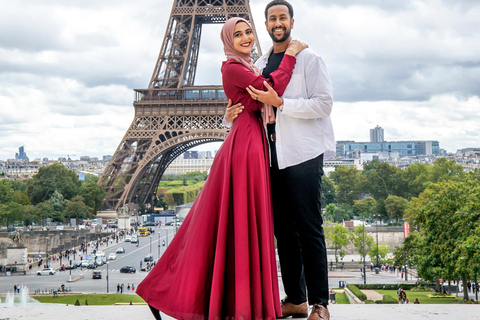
point(68, 68)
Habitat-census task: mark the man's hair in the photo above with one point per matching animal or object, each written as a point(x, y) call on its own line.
point(279, 3)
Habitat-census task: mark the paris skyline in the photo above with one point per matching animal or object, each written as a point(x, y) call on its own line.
point(67, 76)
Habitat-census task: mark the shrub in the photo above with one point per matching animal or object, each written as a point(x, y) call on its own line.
point(387, 300)
point(360, 295)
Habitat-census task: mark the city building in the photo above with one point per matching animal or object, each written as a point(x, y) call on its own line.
point(376, 134)
point(21, 155)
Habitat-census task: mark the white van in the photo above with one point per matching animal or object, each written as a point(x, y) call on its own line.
point(59, 228)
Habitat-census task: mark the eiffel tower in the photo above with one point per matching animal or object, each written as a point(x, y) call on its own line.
point(172, 115)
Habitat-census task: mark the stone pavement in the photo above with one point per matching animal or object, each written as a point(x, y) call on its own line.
point(351, 312)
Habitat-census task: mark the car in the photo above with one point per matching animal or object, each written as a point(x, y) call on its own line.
point(149, 224)
point(96, 275)
point(70, 266)
point(100, 254)
point(128, 269)
point(134, 240)
point(91, 264)
point(78, 263)
point(99, 261)
point(84, 263)
point(120, 250)
point(46, 271)
point(112, 256)
point(128, 238)
point(148, 258)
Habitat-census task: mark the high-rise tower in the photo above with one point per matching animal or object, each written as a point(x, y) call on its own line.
point(172, 115)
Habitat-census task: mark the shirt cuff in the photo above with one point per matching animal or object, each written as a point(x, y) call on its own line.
point(226, 123)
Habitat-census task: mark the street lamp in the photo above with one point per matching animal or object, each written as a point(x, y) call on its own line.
point(364, 273)
point(46, 252)
point(377, 216)
point(150, 244)
point(107, 275)
point(158, 244)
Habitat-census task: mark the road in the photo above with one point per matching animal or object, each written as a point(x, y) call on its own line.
point(132, 257)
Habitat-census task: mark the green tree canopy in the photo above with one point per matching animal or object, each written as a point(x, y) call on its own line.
point(396, 207)
point(365, 208)
point(348, 184)
point(48, 179)
point(358, 240)
point(93, 195)
point(76, 209)
point(338, 237)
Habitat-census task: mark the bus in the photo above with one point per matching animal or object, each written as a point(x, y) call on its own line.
point(143, 232)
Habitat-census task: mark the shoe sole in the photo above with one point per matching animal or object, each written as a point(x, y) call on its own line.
point(296, 315)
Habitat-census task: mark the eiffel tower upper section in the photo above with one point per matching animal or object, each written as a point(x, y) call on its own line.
point(177, 62)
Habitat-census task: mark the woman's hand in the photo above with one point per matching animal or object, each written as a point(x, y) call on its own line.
point(268, 97)
point(295, 47)
point(232, 111)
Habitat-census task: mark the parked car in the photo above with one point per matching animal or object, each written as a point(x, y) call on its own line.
point(120, 250)
point(46, 271)
point(96, 275)
point(128, 269)
point(112, 256)
point(148, 258)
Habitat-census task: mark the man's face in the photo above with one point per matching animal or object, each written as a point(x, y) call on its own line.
point(279, 23)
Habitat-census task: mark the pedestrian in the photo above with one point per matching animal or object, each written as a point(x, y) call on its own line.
point(128, 288)
point(403, 296)
point(118, 288)
point(121, 288)
point(300, 140)
point(416, 301)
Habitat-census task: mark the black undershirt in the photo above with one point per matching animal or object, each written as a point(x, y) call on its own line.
point(273, 63)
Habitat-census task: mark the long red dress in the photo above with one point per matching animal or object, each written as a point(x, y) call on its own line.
point(221, 264)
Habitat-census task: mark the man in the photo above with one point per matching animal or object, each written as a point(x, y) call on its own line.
point(300, 139)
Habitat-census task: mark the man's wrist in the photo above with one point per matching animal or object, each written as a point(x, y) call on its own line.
point(281, 105)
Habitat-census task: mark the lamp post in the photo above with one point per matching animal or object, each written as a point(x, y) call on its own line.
point(377, 216)
point(364, 273)
point(46, 252)
point(150, 244)
point(158, 244)
point(107, 274)
point(70, 277)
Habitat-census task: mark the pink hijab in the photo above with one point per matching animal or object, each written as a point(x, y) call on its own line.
point(246, 59)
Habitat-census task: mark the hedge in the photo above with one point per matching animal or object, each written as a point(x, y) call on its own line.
point(360, 295)
point(393, 286)
point(387, 300)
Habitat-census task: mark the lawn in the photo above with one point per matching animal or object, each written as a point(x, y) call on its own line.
point(92, 299)
point(422, 297)
point(341, 298)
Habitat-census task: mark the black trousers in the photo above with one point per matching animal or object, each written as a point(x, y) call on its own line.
point(299, 231)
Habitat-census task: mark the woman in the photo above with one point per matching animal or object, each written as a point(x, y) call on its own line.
point(221, 264)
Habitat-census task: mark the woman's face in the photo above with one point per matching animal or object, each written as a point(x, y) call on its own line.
point(243, 38)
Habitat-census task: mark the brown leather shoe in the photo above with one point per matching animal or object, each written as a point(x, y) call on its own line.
point(294, 310)
point(319, 312)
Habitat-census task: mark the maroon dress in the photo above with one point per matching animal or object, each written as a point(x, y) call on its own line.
point(221, 264)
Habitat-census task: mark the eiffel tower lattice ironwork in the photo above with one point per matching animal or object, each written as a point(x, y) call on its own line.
point(172, 115)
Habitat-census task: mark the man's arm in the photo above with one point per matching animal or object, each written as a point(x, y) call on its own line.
point(319, 90)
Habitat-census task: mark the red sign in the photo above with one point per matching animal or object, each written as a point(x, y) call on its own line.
point(405, 229)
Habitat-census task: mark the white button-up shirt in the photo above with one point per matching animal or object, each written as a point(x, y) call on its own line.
point(304, 129)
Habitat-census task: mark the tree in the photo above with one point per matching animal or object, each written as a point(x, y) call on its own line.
point(327, 192)
point(348, 182)
point(446, 214)
point(77, 209)
point(338, 236)
point(383, 179)
point(93, 195)
point(43, 210)
point(396, 206)
point(48, 179)
point(357, 239)
point(338, 213)
point(365, 208)
point(383, 250)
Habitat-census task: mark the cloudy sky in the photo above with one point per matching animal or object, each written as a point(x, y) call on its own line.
point(68, 68)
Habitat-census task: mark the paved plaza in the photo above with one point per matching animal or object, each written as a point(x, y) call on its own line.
point(351, 312)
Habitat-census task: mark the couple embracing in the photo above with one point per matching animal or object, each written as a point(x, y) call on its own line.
point(265, 180)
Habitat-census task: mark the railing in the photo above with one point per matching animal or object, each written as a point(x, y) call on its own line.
point(184, 94)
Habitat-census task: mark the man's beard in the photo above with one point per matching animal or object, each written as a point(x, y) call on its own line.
point(286, 35)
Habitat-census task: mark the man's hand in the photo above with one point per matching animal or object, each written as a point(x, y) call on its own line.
point(268, 97)
point(232, 111)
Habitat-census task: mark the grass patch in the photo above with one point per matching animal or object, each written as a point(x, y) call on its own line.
point(341, 298)
point(93, 299)
point(423, 297)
